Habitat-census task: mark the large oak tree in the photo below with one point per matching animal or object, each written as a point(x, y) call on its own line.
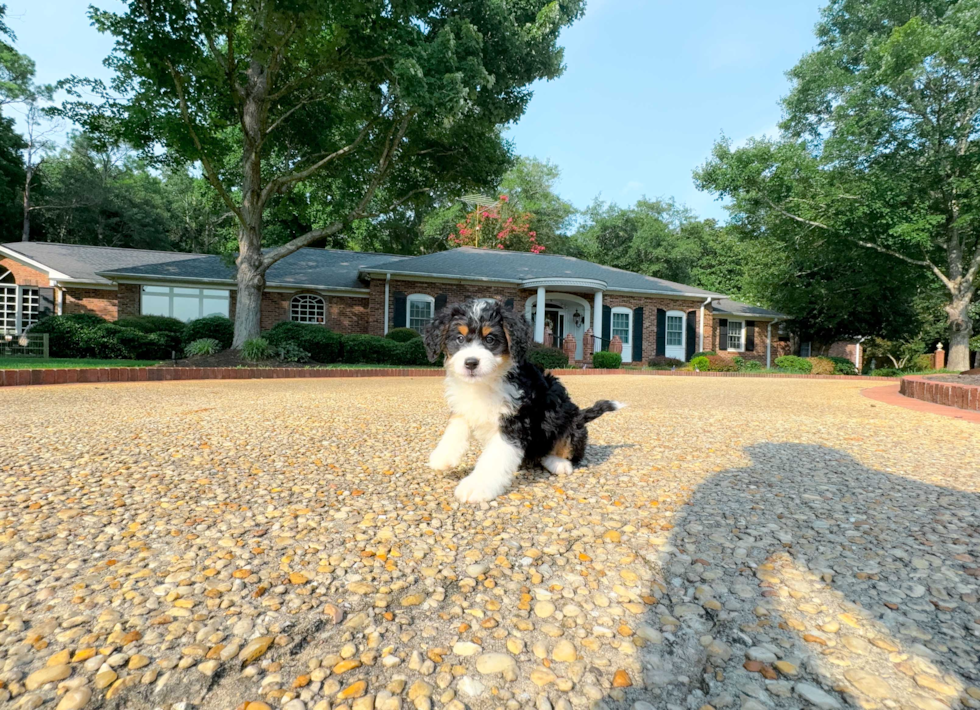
point(374, 103)
point(880, 147)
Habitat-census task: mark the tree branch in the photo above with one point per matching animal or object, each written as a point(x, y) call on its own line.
point(205, 161)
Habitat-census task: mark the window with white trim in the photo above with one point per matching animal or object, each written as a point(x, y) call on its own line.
point(308, 308)
point(621, 325)
point(419, 311)
point(675, 331)
point(184, 304)
point(736, 335)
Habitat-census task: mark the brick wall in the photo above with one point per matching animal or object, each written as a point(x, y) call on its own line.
point(24, 275)
point(454, 293)
point(129, 300)
point(274, 308)
point(348, 315)
point(650, 306)
point(97, 301)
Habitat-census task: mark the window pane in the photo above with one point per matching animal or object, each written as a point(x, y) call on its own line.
point(216, 292)
point(187, 309)
point(156, 289)
point(419, 313)
point(216, 307)
point(188, 291)
point(675, 330)
point(307, 308)
point(621, 327)
point(153, 305)
point(734, 335)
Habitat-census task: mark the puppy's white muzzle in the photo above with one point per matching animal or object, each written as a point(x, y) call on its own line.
point(474, 362)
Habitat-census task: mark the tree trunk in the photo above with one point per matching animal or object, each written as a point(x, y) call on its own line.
point(960, 330)
point(25, 235)
point(251, 284)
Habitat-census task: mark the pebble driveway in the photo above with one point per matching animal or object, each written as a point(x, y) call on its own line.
point(730, 543)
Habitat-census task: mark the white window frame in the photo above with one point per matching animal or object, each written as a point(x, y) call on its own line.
point(682, 317)
point(627, 346)
point(202, 298)
point(300, 305)
point(741, 337)
point(418, 298)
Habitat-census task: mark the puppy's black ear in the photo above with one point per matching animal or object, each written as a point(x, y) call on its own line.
point(435, 333)
point(518, 332)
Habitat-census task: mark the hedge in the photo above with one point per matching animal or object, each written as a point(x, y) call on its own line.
point(660, 362)
point(88, 336)
point(402, 335)
point(322, 344)
point(792, 363)
point(605, 360)
point(547, 358)
point(217, 327)
point(153, 324)
point(372, 350)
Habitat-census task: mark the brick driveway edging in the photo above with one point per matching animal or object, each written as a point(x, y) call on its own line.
point(23, 378)
point(950, 394)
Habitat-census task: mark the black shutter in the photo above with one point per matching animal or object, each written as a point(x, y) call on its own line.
point(441, 302)
point(606, 327)
point(509, 304)
point(637, 335)
point(661, 332)
point(45, 306)
point(722, 334)
point(692, 334)
point(401, 309)
point(750, 336)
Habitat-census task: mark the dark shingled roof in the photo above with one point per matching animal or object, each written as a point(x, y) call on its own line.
point(320, 268)
point(726, 306)
point(517, 267)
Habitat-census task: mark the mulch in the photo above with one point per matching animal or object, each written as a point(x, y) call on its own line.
point(970, 377)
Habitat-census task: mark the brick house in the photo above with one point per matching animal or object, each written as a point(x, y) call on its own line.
point(353, 292)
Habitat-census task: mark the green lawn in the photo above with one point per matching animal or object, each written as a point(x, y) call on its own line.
point(35, 363)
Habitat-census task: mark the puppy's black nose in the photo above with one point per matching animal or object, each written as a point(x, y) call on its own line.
point(471, 363)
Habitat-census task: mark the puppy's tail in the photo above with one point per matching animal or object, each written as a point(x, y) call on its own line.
point(598, 409)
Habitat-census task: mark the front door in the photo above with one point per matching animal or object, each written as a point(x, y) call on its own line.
point(555, 318)
point(674, 346)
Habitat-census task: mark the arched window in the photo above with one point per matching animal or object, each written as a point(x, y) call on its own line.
point(421, 309)
point(7, 277)
point(308, 308)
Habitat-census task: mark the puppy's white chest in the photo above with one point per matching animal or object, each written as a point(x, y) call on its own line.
point(482, 405)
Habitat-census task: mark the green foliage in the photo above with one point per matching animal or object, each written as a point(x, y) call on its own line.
point(12, 176)
point(153, 324)
point(547, 358)
point(321, 344)
point(372, 350)
point(750, 366)
point(256, 349)
point(88, 336)
point(659, 362)
point(888, 372)
point(704, 353)
point(604, 360)
point(202, 347)
point(821, 365)
point(794, 364)
point(402, 335)
point(700, 363)
point(843, 366)
point(16, 69)
point(66, 333)
point(290, 352)
point(922, 362)
point(217, 327)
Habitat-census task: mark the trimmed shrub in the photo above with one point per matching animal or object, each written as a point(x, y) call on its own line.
point(659, 362)
point(887, 372)
point(750, 366)
point(717, 363)
point(922, 362)
point(153, 324)
point(217, 327)
point(821, 365)
point(84, 335)
point(603, 360)
point(794, 364)
point(700, 363)
point(204, 346)
point(547, 358)
point(290, 352)
point(843, 366)
point(704, 353)
point(372, 350)
point(66, 334)
point(402, 335)
point(256, 349)
point(322, 344)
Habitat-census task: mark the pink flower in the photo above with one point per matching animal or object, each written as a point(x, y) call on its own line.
point(500, 246)
point(533, 234)
point(503, 198)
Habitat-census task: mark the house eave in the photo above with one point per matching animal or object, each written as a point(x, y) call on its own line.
point(37, 265)
point(231, 284)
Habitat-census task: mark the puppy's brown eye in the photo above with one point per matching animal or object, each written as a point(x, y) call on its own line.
point(460, 338)
point(490, 340)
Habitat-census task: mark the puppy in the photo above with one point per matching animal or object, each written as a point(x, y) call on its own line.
point(517, 412)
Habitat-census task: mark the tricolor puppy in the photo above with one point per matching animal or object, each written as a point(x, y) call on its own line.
point(517, 412)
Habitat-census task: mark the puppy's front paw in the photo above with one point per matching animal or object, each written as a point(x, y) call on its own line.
point(442, 460)
point(477, 490)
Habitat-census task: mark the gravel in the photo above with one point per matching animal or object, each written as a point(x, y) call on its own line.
point(263, 544)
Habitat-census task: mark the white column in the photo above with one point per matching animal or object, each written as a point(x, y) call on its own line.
point(539, 317)
point(597, 322)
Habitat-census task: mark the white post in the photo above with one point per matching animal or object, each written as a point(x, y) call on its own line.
point(539, 317)
point(18, 307)
point(597, 322)
point(387, 282)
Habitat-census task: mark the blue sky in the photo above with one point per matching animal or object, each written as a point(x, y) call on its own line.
point(650, 85)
